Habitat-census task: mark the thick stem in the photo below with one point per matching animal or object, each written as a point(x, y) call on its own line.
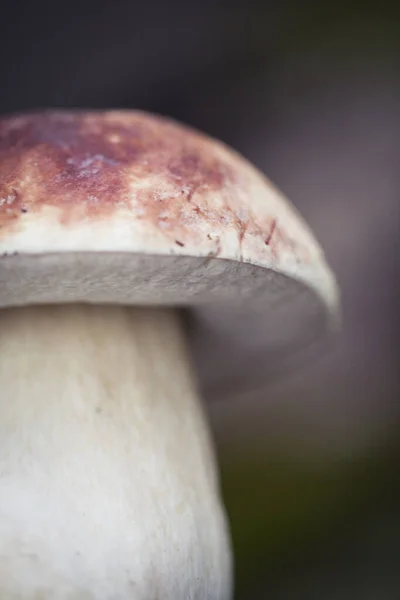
point(108, 483)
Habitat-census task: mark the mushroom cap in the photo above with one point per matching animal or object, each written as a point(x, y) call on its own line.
point(130, 208)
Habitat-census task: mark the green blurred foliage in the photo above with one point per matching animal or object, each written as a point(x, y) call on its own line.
point(345, 30)
point(280, 508)
point(341, 25)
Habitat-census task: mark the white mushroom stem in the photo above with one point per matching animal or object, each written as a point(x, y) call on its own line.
point(108, 483)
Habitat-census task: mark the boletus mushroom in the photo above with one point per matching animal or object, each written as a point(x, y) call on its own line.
point(128, 245)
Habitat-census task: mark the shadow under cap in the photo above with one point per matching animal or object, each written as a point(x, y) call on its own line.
point(125, 207)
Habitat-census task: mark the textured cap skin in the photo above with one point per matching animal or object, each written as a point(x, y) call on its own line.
point(91, 167)
point(129, 183)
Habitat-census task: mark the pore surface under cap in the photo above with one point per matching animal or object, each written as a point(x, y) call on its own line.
point(126, 207)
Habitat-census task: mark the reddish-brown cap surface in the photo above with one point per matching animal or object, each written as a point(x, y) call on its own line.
point(132, 208)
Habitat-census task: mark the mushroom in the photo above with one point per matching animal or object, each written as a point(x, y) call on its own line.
point(129, 244)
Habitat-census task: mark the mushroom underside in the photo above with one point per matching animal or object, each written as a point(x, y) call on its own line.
point(245, 320)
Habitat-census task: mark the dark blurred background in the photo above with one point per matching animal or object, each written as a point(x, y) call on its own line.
point(310, 92)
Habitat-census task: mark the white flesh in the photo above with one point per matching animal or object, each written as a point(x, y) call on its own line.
point(108, 483)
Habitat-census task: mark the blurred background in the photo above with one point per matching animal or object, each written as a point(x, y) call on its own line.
point(310, 92)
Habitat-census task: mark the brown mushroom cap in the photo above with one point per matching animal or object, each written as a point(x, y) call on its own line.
point(130, 208)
